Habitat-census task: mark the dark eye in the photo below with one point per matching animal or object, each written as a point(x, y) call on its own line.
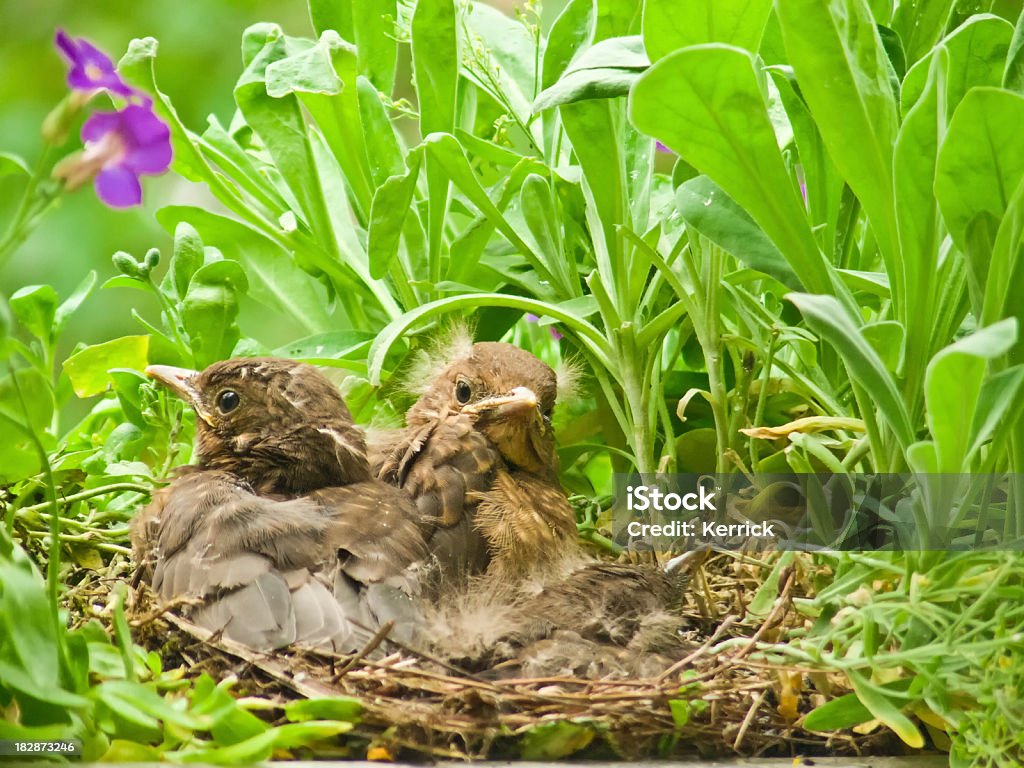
point(463, 391)
point(227, 401)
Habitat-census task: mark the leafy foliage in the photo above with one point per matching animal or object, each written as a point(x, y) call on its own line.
point(835, 243)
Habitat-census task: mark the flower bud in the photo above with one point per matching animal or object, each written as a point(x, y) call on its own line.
point(125, 264)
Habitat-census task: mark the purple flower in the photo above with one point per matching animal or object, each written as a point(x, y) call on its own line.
point(91, 68)
point(662, 148)
point(119, 147)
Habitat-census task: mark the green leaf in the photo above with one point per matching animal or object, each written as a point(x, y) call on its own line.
point(382, 145)
point(12, 165)
point(847, 81)
point(707, 209)
point(391, 204)
point(953, 385)
point(976, 51)
point(373, 23)
point(553, 741)
point(266, 97)
point(337, 708)
point(825, 316)
point(919, 23)
point(274, 279)
point(18, 454)
point(377, 355)
point(570, 32)
point(669, 24)
point(35, 307)
point(846, 711)
point(980, 165)
point(605, 70)
point(704, 103)
point(71, 304)
point(874, 698)
point(435, 57)
point(210, 309)
point(188, 256)
point(998, 410)
point(89, 368)
point(511, 54)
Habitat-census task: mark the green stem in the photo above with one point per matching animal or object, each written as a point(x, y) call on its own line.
point(88, 494)
point(27, 214)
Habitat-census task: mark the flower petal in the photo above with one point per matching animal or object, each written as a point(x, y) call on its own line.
point(100, 124)
point(66, 45)
point(118, 187)
point(147, 139)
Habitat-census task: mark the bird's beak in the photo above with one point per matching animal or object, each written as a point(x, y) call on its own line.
point(182, 382)
point(520, 403)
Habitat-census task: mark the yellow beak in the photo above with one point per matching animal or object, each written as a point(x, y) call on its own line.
point(182, 382)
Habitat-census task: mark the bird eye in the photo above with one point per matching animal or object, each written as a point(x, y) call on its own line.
point(227, 401)
point(463, 391)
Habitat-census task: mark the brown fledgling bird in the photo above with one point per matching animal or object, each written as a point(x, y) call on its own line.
point(279, 530)
point(478, 456)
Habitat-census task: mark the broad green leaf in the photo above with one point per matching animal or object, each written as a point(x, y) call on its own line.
point(997, 412)
point(326, 347)
point(846, 79)
point(31, 661)
point(210, 310)
point(555, 740)
point(826, 317)
point(71, 304)
point(953, 384)
point(274, 279)
point(435, 56)
point(707, 209)
point(89, 369)
point(605, 70)
point(823, 186)
point(278, 120)
point(12, 165)
point(391, 205)
point(18, 454)
point(382, 145)
point(35, 307)
point(920, 23)
point(670, 24)
point(596, 129)
point(593, 338)
point(570, 32)
point(509, 54)
point(914, 161)
point(540, 212)
point(1013, 77)
point(981, 164)
point(704, 103)
point(187, 258)
point(874, 698)
point(373, 24)
point(451, 160)
point(846, 711)
point(976, 50)
point(338, 708)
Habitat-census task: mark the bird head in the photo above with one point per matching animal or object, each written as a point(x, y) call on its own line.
point(278, 424)
point(510, 396)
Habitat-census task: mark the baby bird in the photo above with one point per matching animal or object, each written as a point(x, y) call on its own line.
point(478, 456)
point(279, 529)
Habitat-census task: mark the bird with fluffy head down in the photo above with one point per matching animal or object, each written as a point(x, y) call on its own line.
point(278, 531)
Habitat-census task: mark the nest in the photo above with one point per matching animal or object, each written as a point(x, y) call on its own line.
point(718, 700)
